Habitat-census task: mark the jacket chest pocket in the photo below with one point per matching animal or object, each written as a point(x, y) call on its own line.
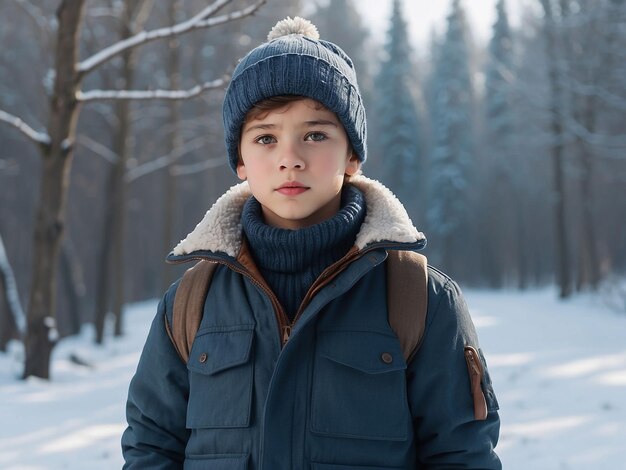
point(359, 386)
point(220, 378)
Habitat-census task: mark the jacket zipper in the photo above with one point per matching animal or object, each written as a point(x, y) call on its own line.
point(322, 280)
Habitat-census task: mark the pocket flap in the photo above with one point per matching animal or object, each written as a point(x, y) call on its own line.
point(214, 351)
point(367, 351)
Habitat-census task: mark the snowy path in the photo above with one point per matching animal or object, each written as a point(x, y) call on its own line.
point(559, 370)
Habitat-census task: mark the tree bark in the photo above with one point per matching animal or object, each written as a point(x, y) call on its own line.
point(73, 285)
point(563, 269)
point(174, 142)
point(119, 194)
point(589, 271)
point(104, 268)
point(41, 333)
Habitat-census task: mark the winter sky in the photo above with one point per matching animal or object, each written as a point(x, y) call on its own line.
point(424, 15)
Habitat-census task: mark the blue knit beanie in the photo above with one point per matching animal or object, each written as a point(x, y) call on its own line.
point(294, 61)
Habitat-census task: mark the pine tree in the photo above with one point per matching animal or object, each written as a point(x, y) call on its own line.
point(452, 155)
point(498, 81)
point(396, 126)
point(501, 211)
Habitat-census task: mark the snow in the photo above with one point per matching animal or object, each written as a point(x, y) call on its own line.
point(32, 134)
point(559, 371)
point(75, 421)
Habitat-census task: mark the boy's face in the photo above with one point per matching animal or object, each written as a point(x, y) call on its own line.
point(295, 159)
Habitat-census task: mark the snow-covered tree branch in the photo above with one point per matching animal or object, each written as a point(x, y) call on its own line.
point(165, 160)
point(193, 168)
point(203, 19)
point(98, 149)
point(40, 138)
point(94, 95)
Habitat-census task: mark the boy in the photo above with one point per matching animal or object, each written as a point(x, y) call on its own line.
point(294, 365)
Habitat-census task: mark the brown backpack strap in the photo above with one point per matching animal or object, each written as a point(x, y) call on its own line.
point(407, 298)
point(189, 306)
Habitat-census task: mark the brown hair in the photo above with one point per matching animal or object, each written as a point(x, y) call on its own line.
point(262, 108)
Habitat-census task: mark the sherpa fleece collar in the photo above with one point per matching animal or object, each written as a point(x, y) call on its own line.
point(220, 229)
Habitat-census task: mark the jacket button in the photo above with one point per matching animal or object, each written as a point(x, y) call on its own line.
point(203, 357)
point(387, 358)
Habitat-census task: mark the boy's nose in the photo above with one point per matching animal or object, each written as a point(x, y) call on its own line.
point(290, 159)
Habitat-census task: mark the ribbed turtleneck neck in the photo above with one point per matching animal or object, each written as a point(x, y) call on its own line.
point(291, 260)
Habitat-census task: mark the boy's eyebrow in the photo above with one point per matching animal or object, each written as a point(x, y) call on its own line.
point(320, 122)
point(317, 122)
point(260, 126)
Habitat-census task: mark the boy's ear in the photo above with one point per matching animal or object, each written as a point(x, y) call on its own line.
point(241, 171)
point(353, 166)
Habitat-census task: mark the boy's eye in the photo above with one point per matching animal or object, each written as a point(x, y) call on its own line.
point(316, 136)
point(265, 140)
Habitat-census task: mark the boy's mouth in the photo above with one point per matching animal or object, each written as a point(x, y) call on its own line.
point(292, 188)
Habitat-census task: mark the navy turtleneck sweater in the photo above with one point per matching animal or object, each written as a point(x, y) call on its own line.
point(291, 260)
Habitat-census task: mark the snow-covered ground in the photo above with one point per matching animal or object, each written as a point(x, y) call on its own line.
point(559, 370)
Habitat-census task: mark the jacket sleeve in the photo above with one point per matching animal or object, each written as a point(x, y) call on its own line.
point(439, 389)
point(157, 402)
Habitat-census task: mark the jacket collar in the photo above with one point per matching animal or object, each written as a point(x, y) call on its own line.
point(220, 230)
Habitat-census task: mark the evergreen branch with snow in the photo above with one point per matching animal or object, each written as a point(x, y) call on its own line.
point(204, 19)
point(40, 138)
point(95, 95)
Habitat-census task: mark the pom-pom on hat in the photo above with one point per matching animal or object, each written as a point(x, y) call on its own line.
point(294, 61)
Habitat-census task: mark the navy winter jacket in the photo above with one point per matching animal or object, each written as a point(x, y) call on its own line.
point(261, 393)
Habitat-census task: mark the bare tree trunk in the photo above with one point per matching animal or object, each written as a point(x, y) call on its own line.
point(119, 206)
point(174, 142)
point(523, 275)
point(563, 269)
point(41, 333)
point(111, 280)
point(122, 148)
point(105, 261)
point(589, 252)
point(73, 283)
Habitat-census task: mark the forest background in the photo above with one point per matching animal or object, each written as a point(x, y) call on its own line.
point(510, 155)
